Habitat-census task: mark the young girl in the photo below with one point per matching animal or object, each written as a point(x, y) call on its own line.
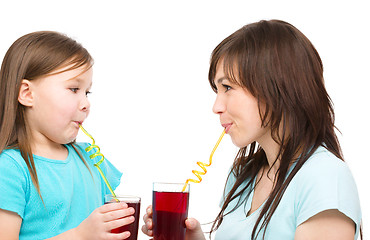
point(288, 180)
point(49, 187)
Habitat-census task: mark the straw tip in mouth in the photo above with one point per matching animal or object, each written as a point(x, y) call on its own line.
point(227, 127)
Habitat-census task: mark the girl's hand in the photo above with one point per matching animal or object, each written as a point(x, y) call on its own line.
point(105, 218)
point(193, 229)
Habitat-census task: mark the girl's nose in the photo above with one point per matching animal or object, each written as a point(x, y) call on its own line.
point(219, 105)
point(85, 105)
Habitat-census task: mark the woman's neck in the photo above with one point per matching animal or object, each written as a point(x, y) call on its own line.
point(271, 150)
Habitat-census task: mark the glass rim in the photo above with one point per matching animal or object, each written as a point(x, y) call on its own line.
point(122, 197)
point(170, 183)
point(170, 187)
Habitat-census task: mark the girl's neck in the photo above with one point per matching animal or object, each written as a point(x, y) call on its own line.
point(51, 151)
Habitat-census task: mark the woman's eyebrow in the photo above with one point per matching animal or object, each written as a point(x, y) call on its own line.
point(220, 79)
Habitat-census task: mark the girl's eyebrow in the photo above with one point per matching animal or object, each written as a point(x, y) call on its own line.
point(77, 79)
point(74, 79)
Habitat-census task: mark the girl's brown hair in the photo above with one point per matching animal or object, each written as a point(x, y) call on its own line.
point(30, 57)
point(281, 68)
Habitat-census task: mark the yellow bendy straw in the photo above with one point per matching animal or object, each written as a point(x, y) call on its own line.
point(203, 165)
point(96, 154)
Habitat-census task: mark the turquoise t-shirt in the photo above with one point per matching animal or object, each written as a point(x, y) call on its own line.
point(324, 182)
point(68, 190)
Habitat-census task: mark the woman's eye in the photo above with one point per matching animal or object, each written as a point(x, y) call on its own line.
point(88, 93)
point(227, 87)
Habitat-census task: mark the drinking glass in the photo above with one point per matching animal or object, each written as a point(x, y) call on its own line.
point(131, 201)
point(170, 210)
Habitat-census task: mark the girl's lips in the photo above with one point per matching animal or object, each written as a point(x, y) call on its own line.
point(227, 126)
point(78, 123)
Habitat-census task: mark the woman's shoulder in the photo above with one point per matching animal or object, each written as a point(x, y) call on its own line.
point(325, 178)
point(325, 182)
point(323, 163)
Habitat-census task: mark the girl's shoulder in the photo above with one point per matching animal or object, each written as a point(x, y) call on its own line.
point(81, 148)
point(13, 171)
point(80, 145)
point(11, 157)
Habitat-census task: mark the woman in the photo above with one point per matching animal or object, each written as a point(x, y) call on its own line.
point(289, 179)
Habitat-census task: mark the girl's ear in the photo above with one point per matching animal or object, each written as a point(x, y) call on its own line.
point(25, 94)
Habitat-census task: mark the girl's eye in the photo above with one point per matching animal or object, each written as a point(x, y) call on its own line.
point(74, 89)
point(88, 93)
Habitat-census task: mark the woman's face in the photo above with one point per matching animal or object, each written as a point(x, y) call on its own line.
point(238, 111)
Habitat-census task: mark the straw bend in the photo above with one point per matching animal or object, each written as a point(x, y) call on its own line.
point(203, 165)
point(97, 154)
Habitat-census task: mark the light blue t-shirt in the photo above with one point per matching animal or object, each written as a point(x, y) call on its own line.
point(324, 182)
point(68, 190)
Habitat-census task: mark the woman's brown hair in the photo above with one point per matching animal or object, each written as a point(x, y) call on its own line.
point(282, 69)
point(30, 57)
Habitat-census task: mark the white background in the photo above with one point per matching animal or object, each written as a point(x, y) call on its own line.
point(151, 103)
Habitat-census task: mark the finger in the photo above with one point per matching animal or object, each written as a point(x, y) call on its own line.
point(112, 206)
point(116, 214)
point(192, 224)
point(119, 236)
point(146, 218)
point(149, 211)
point(149, 224)
point(193, 229)
point(146, 231)
point(119, 223)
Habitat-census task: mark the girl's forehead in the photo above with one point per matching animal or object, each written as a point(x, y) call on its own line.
point(71, 67)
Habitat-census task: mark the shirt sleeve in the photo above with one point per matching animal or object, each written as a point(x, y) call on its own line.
point(112, 174)
point(13, 185)
point(324, 184)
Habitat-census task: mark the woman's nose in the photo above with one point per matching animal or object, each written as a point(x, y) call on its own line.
point(219, 105)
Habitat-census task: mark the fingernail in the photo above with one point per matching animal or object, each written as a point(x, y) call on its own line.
point(132, 210)
point(190, 224)
point(124, 205)
point(127, 234)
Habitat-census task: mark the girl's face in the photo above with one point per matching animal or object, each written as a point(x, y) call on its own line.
point(239, 112)
point(59, 105)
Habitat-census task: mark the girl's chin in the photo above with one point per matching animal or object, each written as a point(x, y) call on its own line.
point(71, 139)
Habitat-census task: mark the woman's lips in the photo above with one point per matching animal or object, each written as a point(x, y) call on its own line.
point(227, 126)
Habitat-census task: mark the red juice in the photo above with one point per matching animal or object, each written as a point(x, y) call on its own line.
point(133, 227)
point(170, 210)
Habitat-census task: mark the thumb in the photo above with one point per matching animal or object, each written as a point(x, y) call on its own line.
point(193, 230)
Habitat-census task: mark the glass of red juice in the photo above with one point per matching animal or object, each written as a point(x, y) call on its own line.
point(131, 201)
point(170, 210)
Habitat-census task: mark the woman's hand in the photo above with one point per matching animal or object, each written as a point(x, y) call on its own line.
point(193, 229)
point(103, 219)
point(147, 229)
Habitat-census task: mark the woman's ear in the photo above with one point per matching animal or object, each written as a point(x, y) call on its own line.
point(25, 94)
